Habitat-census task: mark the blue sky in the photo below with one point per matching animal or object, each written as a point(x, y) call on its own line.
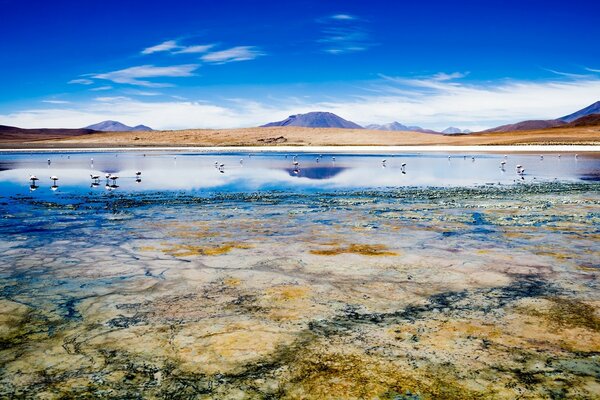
point(184, 64)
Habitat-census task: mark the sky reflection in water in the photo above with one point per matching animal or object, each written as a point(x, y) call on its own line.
point(243, 172)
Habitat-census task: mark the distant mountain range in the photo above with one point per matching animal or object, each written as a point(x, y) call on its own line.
point(316, 119)
point(319, 119)
point(397, 126)
point(116, 126)
point(578, 118)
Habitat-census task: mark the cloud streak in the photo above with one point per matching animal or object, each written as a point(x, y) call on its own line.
point(343, 33)
point(234, 54)
point(162, 47)
point(134, 75)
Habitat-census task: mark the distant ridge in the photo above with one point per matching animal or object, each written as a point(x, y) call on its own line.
point(13, 134)
point(588, 120)
point(316, 119)
point(534, 124)
point(528, 125)
point(116, 126)
point(589, 110)
point(397, 126)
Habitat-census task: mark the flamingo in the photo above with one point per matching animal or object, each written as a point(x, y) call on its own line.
point(54, 178)
point(94, 177)
point(33, 178)
point(138, 173)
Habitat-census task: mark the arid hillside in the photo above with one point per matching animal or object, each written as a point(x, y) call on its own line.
point(299, 136)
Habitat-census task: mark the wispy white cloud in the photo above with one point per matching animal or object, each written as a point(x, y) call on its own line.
point(142, 92)
point(132, 75)
point(593, 70)
point(344, 17)
point(56, 101)
point(200, 48)
point(81, 81)
point(344, 33)
point(101, 88)
point(567, 74)
point(239, 53)
point(113, 99)
point(161, 47)
point(173, 47)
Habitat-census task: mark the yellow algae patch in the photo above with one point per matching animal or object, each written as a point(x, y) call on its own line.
point(227, 346)
point(147, 248)
point(557, 255)
point(232, 282)
point(12, 317)
point(195, 234)
point(344, 372)
point(292, 303)
point(288, 292)
point(188, 250)
point(361, 249)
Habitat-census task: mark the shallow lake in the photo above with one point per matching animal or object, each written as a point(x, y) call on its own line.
point(241, 172)
point(449, 277)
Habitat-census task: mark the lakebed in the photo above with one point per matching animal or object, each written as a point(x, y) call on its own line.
point(343, 276)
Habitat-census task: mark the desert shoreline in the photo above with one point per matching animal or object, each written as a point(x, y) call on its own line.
point(324, 149)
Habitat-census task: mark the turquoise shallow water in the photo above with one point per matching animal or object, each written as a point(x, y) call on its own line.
point(344, 278)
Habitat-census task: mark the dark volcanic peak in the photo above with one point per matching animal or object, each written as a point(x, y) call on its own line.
point(116, 126)
point(589, 110)
point(317, 119)
point(528, 125)
point(397, 126)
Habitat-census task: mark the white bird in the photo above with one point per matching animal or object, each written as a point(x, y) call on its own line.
point(138, 173)
point(114, 179)
point(502, 162)
point(107, 175)
point(33, 178)
point(54, 178)
point(295, 163)
point(541, 157)
point(332, 158)
point(94, 177)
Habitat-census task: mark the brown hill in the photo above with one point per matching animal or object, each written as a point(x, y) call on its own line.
point(588, 120)
point(12, 134)
point(528, 125)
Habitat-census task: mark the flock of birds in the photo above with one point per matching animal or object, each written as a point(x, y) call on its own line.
point(95, 179)
point(219, 166)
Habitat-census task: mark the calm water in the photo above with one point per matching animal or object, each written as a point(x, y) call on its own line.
point(243, 172)
point(446, 278)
